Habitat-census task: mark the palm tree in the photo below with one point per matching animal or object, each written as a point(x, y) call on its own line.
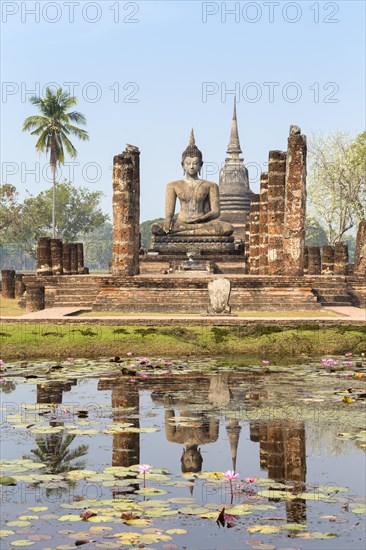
point(53, 127)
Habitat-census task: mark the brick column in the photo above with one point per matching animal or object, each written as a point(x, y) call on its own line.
point(340, 259)
point(276, 211)
point(306, 260)
point(19, 285)
point(44, 264)
point(80, 258)
point(246, 248)
point(125, 446)
point(295, 204)
point(327, 259)
point(263, 221)
point(56, 256)
point(73, 259)
point(66, 259)
point(314, 260)
point(126, 212)
point(35, 298)
point(360, 253)
point(275, 451)
point(254, 235)
point(8, 283)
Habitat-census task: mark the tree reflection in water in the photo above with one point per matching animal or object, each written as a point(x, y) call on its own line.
point(53, 449)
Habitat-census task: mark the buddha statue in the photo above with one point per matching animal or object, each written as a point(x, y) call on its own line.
point(199, 202)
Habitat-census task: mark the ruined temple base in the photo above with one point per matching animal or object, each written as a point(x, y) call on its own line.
point(188, 292)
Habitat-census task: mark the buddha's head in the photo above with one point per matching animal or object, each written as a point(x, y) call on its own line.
point(192, 158)
point(191, 459)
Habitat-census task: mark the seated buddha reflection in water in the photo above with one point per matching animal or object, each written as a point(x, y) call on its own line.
point(199, 201)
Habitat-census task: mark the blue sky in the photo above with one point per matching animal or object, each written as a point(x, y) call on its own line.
point(145, 72)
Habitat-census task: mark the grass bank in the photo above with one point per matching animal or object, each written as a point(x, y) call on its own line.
point(37, 340)
point(9, 307)
point(298, 314)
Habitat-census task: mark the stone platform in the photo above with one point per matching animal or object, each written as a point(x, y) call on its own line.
point(207, 245)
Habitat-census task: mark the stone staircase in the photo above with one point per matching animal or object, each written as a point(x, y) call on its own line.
point(68, 291)
point(332, 291)
point(82, 293)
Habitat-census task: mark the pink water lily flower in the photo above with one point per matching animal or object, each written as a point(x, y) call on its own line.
point(1, 362)
point(347, 363)
point(143, 375)
point(144, 360)
point(167, 364)
point(230, 475)
point(349, 354)
point(250, 479)
point(70, 359)
point(144, 468)
point(132, 380)
point(128, 354)
point(265, 362)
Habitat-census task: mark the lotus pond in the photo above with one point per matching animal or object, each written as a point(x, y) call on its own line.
point(198, 454)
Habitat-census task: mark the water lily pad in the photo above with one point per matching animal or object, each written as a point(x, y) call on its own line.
point(100, 529)
point(238, 510)
point(156, 503)
point(294, 527)
point(19, 523)
point(276, 494)
point(194, 511)
point(138, 522)
point(316, 535)
point(160, 512)
point(6, 480)
point(38, 508)
point(69, 517)
point(80, 474)
point(102, 519)
point(360, 510)
point(23, 542)
point(151, 491)
point(6, 533)
point(264, 529)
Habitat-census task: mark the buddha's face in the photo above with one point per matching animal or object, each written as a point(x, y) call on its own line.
point(191, 461)
point(192, 166)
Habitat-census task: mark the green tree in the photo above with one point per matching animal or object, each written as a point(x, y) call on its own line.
point(53, 127)
point(316, 235)
point(77, 211)
point(9, 209)
point(98, 247)
point(337, 182)
point(145, 231)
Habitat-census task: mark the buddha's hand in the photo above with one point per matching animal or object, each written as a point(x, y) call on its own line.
point(167, 225)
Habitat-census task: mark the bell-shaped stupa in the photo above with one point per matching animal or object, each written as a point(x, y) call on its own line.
point(235, 193)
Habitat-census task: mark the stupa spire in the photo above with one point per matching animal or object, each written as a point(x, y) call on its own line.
point(233, 431)
point(234, 149)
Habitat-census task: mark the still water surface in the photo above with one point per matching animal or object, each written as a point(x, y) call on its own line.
point(74, 432)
